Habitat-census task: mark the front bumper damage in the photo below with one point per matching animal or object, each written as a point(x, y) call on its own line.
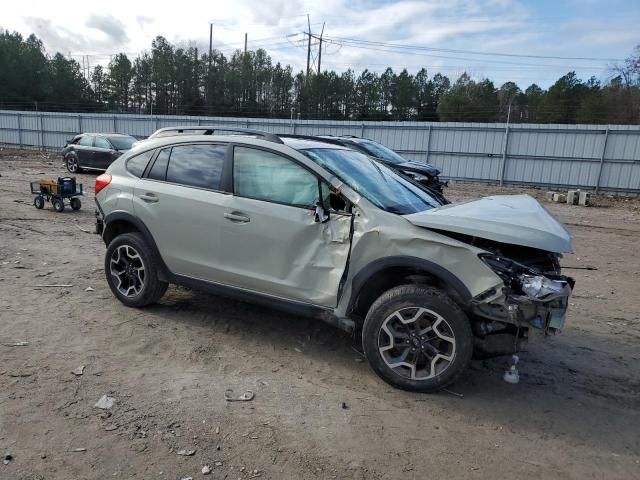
point(502, 319)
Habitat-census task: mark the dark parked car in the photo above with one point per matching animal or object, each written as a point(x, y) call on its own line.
point(95, 151)
point(424, 173)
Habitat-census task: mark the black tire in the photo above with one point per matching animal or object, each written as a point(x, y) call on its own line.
point(76, 204)
point(58, 204)
point(152, 288)
point(72, 163)
point(410, 298)
point(38, 202)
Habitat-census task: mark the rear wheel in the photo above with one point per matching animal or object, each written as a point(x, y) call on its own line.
point(58, 204)
point(75, 203)
point(416, 338)
point(131, 268)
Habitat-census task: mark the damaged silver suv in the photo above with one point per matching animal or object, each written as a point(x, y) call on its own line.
point(317, 229)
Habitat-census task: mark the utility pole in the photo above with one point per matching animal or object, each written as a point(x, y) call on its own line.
point(196, 89)
point(209, 67)
point(245, 43)
point(308, 45)
point(320, 50)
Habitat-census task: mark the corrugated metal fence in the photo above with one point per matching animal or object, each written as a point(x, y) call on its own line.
point(601, 157)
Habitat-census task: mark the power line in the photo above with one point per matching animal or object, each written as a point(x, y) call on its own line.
point(346, 43)
point(473, 52)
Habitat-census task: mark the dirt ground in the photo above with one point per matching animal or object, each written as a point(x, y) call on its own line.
point(319, 411)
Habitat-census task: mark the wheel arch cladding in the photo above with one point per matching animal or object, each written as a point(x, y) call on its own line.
point(385, 273)
point(119, 222)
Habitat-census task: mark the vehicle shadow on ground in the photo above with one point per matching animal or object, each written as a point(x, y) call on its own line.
point(555, 387)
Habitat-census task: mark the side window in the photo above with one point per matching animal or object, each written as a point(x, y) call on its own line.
point(102, 143)
point(137, 164)
point(159, 169)
point(86, 141)
point(267, 176)
point(197, 165)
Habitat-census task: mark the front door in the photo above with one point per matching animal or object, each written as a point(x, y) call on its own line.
point(84, 151)
point(102, 153)
point(272, 241)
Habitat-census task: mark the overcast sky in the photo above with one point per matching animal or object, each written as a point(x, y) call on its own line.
point(601, 30)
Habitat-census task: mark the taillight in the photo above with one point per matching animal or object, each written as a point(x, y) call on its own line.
point(102, 181)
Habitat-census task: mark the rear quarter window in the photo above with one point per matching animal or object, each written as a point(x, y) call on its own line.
point(136, 165)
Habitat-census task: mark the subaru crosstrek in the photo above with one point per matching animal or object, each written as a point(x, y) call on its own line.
point(317, 229)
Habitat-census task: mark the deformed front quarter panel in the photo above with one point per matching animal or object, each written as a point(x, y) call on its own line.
point(378, 235)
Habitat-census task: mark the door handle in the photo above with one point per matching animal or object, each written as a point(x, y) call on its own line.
point(149, 197)
point(237, 217)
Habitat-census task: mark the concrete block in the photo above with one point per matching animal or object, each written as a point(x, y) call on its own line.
point(549, 196)
point(559, 197)
point(572, 197)
point(584, 198)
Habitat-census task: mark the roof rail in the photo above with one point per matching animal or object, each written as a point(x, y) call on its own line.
point(210, 130)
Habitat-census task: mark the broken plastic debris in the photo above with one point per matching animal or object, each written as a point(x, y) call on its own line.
point(512, 375)
point(7, 458)
point(186, 453)
point(245, 397)
point(78, 371)
point(16, 344)
point(81, 449)
point(105, 403)
point(89, 289)
point(206, 470)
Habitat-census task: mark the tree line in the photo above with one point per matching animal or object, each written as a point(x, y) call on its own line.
point(174, 80)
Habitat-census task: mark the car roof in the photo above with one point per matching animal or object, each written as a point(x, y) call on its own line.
point(110, 135)
point(306, 144)
point(291, 142)
point(348, 139)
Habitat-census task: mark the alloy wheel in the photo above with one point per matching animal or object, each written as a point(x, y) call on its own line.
point(127, 270)
point(72, 164)
point(416, 343)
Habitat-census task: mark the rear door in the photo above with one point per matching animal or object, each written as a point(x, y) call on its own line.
point(180, 199)
point(102, 153)
point(84, 151)
point(272, 242)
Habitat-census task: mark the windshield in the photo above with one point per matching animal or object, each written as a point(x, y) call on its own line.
point(122, 143)
point(373, 180)
point(382, 152)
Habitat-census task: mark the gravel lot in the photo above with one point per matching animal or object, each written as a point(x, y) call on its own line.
point(319, 411)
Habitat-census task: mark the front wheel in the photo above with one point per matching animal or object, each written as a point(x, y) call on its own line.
point(132, 271)
point(58, 204)
point(76, 204)
point(416, 338)
point(38, 202)
point(72, 164)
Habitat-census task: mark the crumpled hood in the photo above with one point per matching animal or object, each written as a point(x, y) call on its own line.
point(417, 167)
point(513, 219)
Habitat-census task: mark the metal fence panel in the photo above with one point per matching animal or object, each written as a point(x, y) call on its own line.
point(606, 157)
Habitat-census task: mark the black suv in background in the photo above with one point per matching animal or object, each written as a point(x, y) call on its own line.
point(424, 173)
point(95, 151)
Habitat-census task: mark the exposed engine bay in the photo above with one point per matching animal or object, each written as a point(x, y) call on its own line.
point(535, 294)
